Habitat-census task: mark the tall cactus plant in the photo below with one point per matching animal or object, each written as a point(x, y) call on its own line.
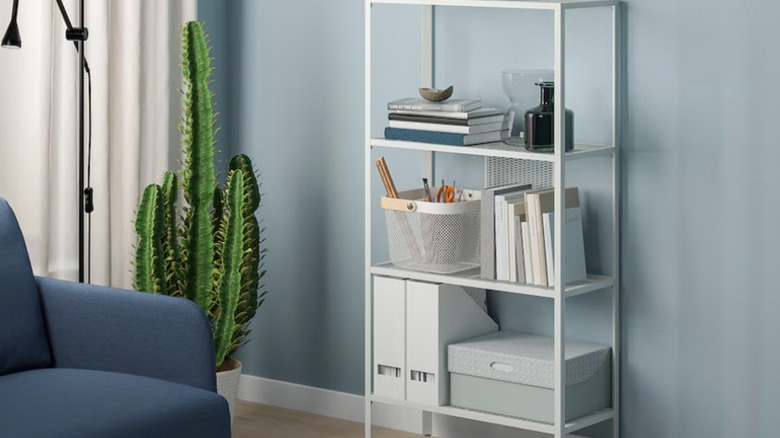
point(208, 250)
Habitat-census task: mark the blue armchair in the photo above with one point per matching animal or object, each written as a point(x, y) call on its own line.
point(86, 361)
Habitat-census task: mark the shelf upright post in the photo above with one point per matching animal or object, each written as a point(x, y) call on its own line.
point(367, 191)
point(427, 77)
point(559, 186)
point(616, 65)
point(427, 156)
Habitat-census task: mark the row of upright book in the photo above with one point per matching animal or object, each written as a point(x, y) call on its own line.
point(454, 122)
point(518, 235)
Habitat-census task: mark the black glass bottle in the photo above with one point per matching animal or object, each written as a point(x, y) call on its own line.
point(540, 126)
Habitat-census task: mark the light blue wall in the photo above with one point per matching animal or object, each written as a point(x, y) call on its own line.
point(700, 191)
point(216, 18)
point(295, 83)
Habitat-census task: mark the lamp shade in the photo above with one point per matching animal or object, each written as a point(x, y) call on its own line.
point(12, 39)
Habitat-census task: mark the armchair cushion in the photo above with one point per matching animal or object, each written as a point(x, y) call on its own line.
point(23, 344)
point(70, 403)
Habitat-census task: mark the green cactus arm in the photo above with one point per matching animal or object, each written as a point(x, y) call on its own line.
point(170, 237)
point(230, 280)
point(198, 179)
point(250, 266)
point(251, 186)
point(149, 271)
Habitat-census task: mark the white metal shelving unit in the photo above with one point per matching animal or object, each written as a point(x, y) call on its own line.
point(535, 167)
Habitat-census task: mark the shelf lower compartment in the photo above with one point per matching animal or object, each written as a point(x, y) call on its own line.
point(471, 278)
point(497, 149)
point(571, 426)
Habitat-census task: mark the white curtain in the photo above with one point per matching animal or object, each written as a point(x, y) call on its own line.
point(133, 52)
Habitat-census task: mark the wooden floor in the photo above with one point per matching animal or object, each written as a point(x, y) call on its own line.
point(264, 421)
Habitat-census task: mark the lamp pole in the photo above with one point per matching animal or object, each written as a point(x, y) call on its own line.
point(78, 35)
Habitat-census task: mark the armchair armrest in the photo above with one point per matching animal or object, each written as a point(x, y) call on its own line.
point(107, 329)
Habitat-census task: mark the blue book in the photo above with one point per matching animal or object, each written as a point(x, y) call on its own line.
point(442, 137)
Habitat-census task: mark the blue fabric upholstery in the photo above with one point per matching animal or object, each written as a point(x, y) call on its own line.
point(68, 403)
point(100, 328)
point(23, 343)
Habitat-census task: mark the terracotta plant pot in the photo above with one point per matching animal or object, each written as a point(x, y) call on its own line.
point(228, 376)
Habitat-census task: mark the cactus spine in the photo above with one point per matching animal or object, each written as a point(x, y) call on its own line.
point(212, 255)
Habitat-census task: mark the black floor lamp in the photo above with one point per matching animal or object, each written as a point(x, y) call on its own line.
point(12, 40)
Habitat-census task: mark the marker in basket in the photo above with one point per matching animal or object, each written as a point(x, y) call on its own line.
point(427, 190)
point(387, 180)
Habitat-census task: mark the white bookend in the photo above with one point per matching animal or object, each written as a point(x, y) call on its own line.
point(437, 315)
point(389, 337)
point(529, 270)
point(574, 246)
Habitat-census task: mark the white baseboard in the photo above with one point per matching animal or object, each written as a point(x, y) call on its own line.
point(325, 402)
point(350, 407)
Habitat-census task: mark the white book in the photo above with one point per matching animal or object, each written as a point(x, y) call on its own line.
point(536, 265)
point(514, 209)
point(529, 271)
point(519, 256)
point(488, 227)
point(549, 245)
point(502, 234)
point(455, 129)
point(464, 115)
point(574, 246)
point(420, 104)
point(510, 244)
point(485, 137)
point(542, 201)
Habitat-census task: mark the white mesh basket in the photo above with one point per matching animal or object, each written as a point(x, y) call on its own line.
point(433, 237)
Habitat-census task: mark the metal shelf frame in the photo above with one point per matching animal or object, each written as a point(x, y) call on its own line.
point(534, 426)
point(471, 278)
point(559, 428)
point(498, 149)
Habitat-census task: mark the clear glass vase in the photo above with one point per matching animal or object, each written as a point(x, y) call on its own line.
point(519, 87)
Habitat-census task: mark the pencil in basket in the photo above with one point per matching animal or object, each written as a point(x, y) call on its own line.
point(406, 228)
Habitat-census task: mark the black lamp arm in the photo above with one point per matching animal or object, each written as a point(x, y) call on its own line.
point(74, 34)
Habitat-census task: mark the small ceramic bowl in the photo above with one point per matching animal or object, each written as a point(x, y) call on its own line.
point(435, 94)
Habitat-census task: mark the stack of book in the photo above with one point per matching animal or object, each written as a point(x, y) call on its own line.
point(518, 238)
point(454, 122)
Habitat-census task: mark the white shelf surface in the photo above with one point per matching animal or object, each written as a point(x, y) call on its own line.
point(498, 149)
point(571, 426)
point(506, 4)
point(471, 278)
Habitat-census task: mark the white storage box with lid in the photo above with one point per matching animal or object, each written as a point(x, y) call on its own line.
point(438, 237)
point(512, 374)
